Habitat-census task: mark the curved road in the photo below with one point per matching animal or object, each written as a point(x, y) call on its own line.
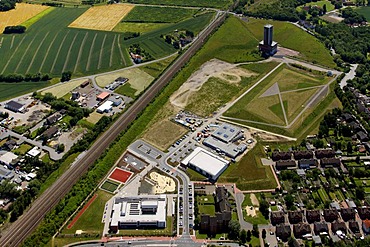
point(20, 229)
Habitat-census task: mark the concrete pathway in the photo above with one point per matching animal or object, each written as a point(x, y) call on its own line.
point(349, 76)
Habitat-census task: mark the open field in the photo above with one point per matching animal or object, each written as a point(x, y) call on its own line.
point(285, 90)
point(162, 134)
point(11, 90)
point(90, 220)
point(44, 48)
point(135, 27)
point(103, 18)
point(23, 149)
point(94, 117)
point(292, 37)
point(249, 173)
point(196, 3)
point(158, 14)
point(365, 11)
point(20, 14)
point(63, 88)
point(155, 69)
point(329, 5)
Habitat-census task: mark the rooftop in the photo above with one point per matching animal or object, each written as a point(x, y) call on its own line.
point(226, 132)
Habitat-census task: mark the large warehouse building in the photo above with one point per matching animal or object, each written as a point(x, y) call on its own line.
point(206, 163)
point(147, 211)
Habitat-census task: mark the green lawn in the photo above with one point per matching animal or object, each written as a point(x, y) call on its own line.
point(365, 11)
point(329, 5)
point(195, 176)
point(196, 3)
point(249, 173)
point(323, 195)
point(90, 220)
point(155, 69)
point(158, 14)
point(11, 90)
point(126, 90)
point(110, 186)
point(292, 37)
point(206, 205)
point(22, 149)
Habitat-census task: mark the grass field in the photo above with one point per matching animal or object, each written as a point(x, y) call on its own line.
point(365, 11)
point(22, 149)
point(164, 133)
point(11, 90)
point(110, 186)
point(20, 14)
point(262, 107)
point(329, 5)
point(90, 220)
point(196, 3)
point(44, 48)
point(158, 14)
point(103, 18)
point(292, 37)
point(138, 27)
point(249, 173)
point(206, 205)
point(155, 69)
point(63, 88)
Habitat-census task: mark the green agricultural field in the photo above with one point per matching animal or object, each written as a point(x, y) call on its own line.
point(292, 37)
point(11, 90)
point(196, 3)
point(365, 11)
point(158, 14)
point(135, 27)
point(44, 48)
point(286, 90)
point(249, 173)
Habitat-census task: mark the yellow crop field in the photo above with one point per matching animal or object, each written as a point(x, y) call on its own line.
point(20, 14)
point(103, 18)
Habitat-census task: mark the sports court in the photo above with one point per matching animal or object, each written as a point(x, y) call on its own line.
point(120, 175)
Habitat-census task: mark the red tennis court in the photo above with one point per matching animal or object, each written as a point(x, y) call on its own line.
point(120, 175)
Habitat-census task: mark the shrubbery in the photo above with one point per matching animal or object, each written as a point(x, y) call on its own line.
point(6, 5)
point(14, 29)
point(28, 77)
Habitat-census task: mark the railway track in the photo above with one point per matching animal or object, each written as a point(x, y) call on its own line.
point(20, 229)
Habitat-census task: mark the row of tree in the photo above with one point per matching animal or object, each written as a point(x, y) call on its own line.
point(27, 77)
point(14, 29)
point(6, 5)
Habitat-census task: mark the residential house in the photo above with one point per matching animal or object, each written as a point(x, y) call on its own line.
point(53, 118)
point(335, 205)
point(362, 136)
point(313, 216)
point(348, 117)
point(366, 226)
point(222, 203)
point(49, 133)
point(348, 214)
point(283, 231)
point(330, 215)
point(281, 156)
point(307, 163)
point(338, 226)
point(324, 153)
point(353, 226)
point(329, 162)
point(364, 213)
point(285, 164)
point(9, 145)
point(277, 217)
point(306, 154)
point(301, 229)
point(295, 217)
point(321, 228)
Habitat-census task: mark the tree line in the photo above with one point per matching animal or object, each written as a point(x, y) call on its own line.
point(6, 5)
point(27, 77)
point(14, 29)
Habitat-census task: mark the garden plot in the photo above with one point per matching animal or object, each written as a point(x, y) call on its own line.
point(103, 18)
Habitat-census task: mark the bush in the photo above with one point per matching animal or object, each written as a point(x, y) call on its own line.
point(14, 29)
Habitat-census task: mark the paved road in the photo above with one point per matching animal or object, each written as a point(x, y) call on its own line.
point(20, 229)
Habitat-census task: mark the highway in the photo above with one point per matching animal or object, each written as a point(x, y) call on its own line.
point(27, 223)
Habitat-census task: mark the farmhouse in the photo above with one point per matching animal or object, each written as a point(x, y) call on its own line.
point(105, 107)
point(206, 163)
point(14, 106)
point(147, 211)
point(102, 96)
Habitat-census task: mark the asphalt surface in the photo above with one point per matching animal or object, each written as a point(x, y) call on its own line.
point(25, 225)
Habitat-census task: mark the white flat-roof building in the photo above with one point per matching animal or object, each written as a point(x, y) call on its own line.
point(7, 158)
point(105, 107)
point(147, 211)
point(34, 152)
point(206, 163)
point(226, 132)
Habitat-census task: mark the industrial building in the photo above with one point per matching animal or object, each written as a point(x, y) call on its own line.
point(103, 96)
point(206, 163)
point(14, 106)
point(222, 140)
point(267, 46)
point(5, 173)
point(105, 107)
point(8, 159)
point(147, 211)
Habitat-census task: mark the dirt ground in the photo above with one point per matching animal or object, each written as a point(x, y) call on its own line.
point(287, 52)
point(213, 68)
point(254, 200)
point(164, 183)
point(251, 211)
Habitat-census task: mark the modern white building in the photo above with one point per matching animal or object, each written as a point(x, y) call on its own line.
point(105, 107)
point(34, 152)
point(147, 211)
point(8, 158)
point(206, 163)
